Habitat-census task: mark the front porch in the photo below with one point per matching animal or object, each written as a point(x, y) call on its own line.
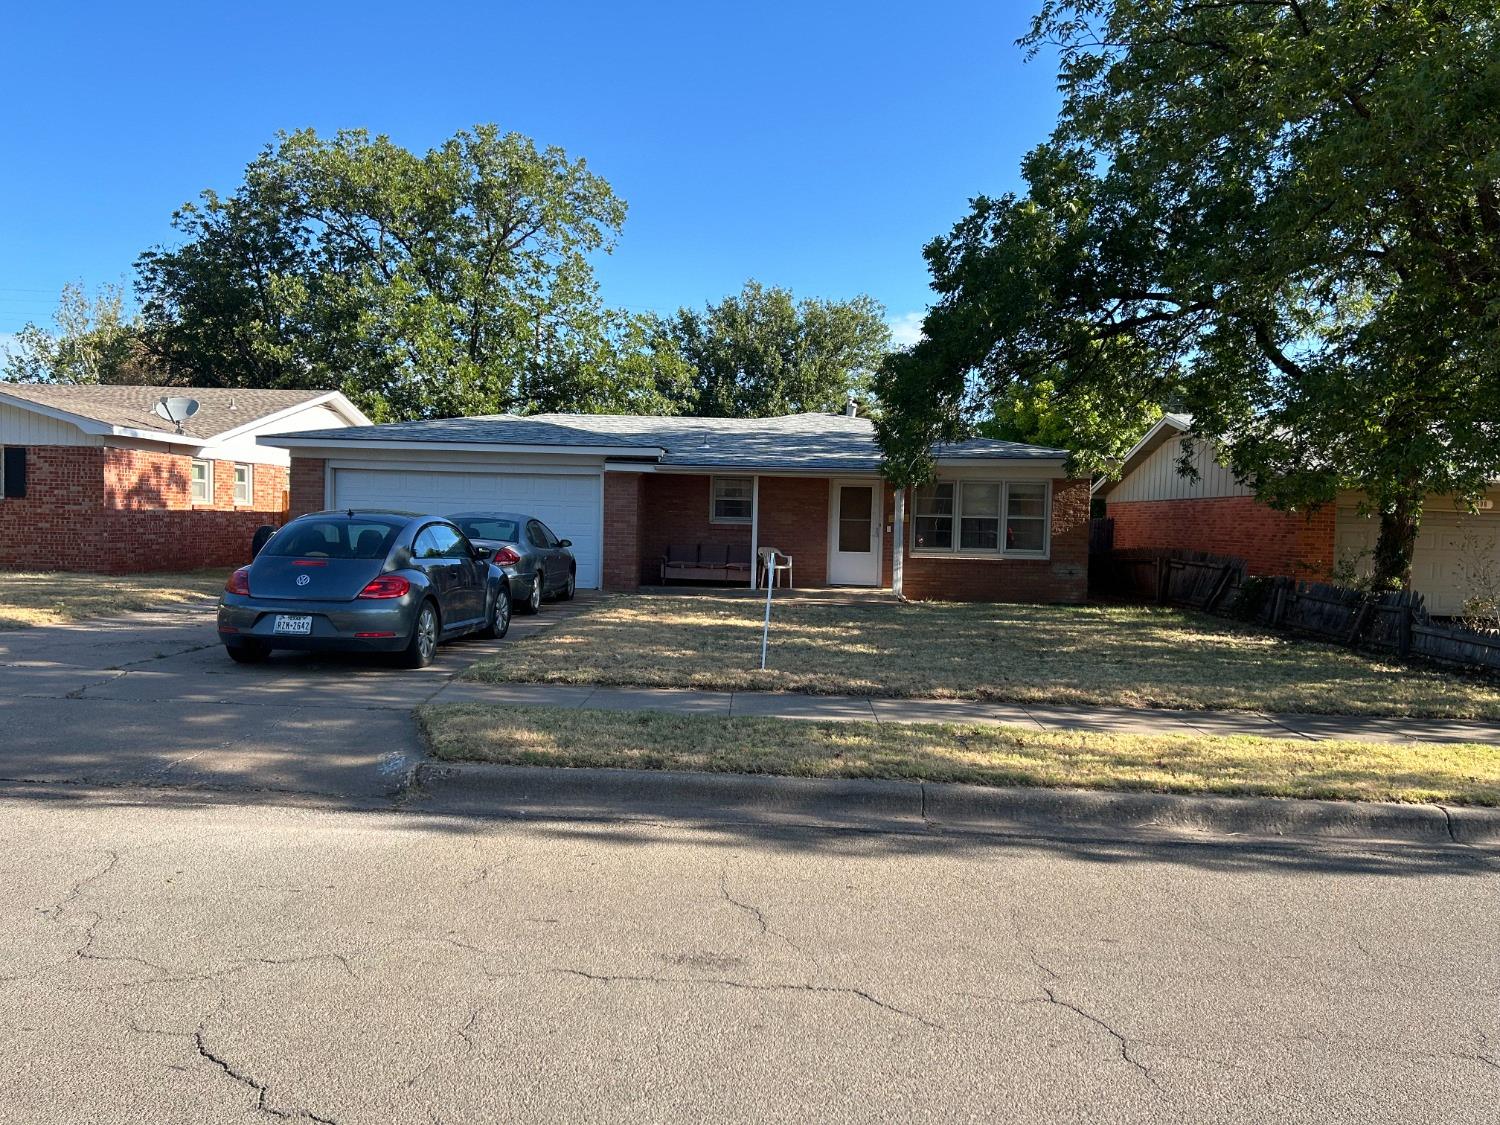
point(836, 530)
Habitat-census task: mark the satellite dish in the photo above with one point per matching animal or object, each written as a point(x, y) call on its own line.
point(176, 409)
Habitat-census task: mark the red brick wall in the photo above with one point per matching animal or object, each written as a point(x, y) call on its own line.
point(52, 526)
point(120, 510)
point(794, 520)
point(1291, 543)
point(676, 511)
point(622, 531)
point(306, 486)
point(1061, 578)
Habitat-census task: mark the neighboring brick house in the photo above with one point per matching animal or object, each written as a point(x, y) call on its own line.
point(1001, 521)
point(93, 479)
point(1155, 506)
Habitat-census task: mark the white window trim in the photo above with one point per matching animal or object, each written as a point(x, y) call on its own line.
point(713, 501)
point(957, 552)
point(249, 500)
point(208, 483)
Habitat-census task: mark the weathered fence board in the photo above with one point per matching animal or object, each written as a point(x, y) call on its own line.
point(1395, 622)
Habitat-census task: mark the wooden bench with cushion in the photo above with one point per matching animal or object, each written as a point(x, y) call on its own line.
point(706, 562)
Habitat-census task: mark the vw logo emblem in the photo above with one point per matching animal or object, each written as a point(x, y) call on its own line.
point(303, 579)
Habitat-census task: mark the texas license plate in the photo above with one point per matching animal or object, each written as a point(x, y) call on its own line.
point(299, 626)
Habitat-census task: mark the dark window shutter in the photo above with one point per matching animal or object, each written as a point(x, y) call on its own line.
point(15, 472)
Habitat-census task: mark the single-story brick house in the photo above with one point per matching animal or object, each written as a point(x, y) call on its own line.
point(1002, 521)
point(93, 479)
point(1153, 505)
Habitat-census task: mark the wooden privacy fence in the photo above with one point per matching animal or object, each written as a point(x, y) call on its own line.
point(1395, 622)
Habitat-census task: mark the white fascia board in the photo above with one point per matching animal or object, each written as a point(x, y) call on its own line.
point(760, 471)
point(1009, 466)
point(97, 428)
point(344, 448)
point(335, 399)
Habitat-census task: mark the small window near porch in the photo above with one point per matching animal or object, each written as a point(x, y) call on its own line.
point(733, 499)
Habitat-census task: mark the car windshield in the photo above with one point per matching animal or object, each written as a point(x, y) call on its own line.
point(334, 538)
point(483, 527)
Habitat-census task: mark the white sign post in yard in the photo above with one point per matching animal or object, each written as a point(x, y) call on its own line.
point(765, 633)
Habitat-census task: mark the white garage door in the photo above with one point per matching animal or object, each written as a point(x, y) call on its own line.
point(1448, 566)
point(568, 504)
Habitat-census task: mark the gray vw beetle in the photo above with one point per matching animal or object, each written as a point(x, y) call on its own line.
point(364, 581)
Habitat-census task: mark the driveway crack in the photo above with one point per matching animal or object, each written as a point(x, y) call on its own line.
point(249, 1081)
point(748, 986)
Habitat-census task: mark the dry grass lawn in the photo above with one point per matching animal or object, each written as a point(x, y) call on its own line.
point(55, 597)
point(1129, 656)
point(982, 755)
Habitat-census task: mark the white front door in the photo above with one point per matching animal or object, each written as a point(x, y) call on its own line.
point(854, 534)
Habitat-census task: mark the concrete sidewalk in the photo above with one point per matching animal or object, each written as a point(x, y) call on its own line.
point(785, 705)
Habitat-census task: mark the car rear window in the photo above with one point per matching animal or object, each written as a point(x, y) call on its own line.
point(480, 528)
point(334, 538)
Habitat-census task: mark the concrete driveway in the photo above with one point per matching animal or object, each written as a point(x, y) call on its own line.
point(152, 699)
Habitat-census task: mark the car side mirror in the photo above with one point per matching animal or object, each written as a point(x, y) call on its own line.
point(565, 542)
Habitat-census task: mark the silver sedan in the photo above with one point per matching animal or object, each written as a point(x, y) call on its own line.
point(538, 563)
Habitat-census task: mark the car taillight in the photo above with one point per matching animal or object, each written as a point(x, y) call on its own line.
point(386, 586)
point(239, 582)
point(506, 557)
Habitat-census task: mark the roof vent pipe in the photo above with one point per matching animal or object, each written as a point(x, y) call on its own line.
point(851, 407)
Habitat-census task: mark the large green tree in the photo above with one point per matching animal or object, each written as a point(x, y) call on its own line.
point(1283, 215)
point(456, 281)
point(94, 341)
point(760, 352)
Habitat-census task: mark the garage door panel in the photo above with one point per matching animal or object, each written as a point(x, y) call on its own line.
point(1450, 560)
point(570, 504)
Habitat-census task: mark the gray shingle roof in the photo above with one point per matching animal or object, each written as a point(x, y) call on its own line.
point(822, 442)
point(219, 408)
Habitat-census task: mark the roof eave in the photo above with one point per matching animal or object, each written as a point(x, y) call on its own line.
point(301, 441)
point(341, 405)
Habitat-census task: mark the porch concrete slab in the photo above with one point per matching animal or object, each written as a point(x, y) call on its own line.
point(775, 705)
point(676, 700)
point(569, 696)
point(951, 711)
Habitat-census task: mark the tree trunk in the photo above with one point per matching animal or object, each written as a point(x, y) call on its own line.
point(1399, 522)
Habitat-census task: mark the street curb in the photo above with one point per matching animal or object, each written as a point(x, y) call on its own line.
point(480, 789)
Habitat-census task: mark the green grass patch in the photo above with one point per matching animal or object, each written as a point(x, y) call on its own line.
point(54, 597)
point(1125, 656)
point(975, 754)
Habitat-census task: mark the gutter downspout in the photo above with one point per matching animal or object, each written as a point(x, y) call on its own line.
point(898, 543)
point(754, 532)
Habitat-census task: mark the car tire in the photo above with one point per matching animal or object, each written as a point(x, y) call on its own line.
point(567, 592)
point(533, 602)
point(499, 623)
point(248, 652)
point(422, 646)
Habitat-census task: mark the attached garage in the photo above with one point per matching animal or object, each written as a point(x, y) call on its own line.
point(1452, 549)
point(567, 502)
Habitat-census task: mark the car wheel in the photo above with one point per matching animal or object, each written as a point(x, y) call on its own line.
point(248, 652)
point(570, 589)
point(533, 602)
point(499, 623)
point(422, 647)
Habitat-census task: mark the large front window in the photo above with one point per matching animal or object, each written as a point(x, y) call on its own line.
point(980, 517)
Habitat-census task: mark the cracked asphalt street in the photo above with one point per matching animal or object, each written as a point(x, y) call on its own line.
point(216, 912)
point(190, 958)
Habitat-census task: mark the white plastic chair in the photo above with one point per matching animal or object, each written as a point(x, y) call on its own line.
point(773, 564)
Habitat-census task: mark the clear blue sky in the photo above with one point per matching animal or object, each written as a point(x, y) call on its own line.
point(812, 145)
